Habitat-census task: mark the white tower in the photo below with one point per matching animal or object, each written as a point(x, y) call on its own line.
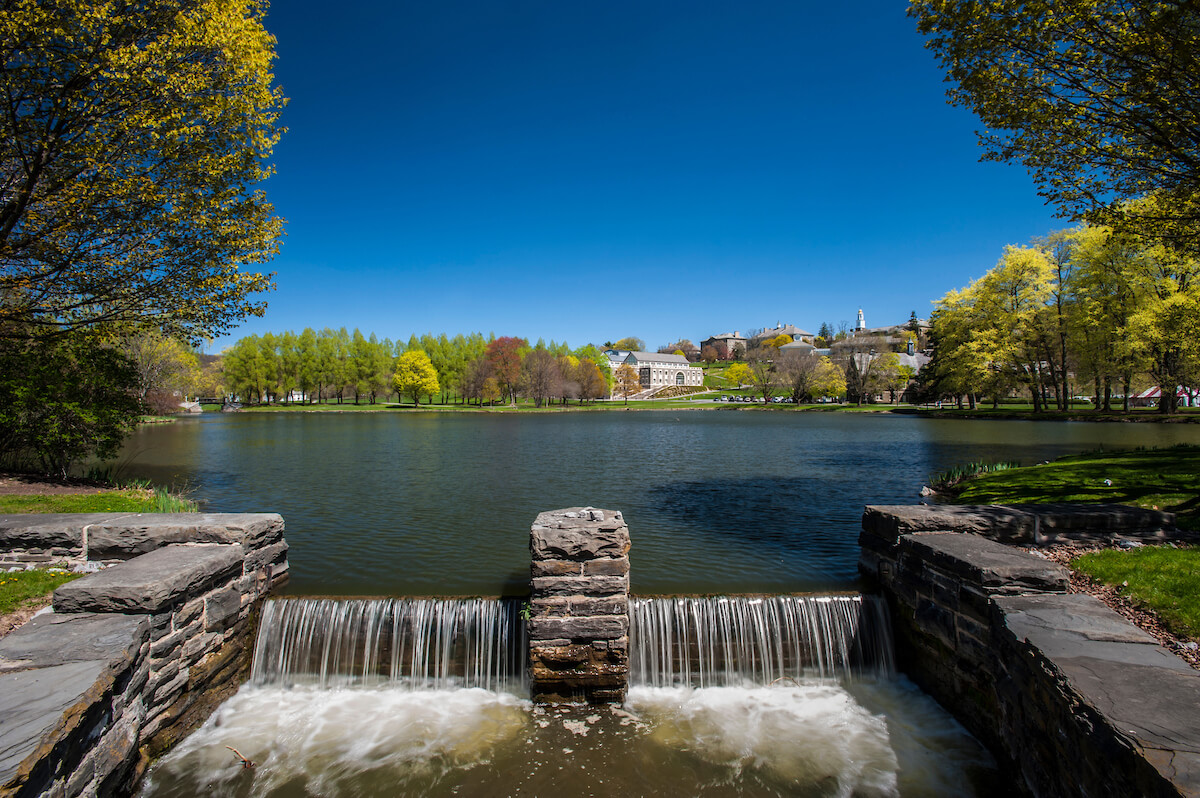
point(860, 325)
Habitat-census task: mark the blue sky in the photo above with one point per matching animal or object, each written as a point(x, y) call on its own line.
point(586, 171)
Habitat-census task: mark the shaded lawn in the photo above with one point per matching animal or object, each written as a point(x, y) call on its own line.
point(1166, 479)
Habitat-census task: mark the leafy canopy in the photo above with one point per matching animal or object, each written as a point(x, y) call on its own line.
point(1099, 99)
point(132, 137)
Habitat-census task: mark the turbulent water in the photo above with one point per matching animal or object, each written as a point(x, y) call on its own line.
point(730, 696)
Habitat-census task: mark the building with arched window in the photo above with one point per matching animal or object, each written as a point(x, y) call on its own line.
point(656, 371)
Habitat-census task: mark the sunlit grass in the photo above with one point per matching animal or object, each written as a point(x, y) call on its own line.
point(130, 500)
point(1163, 579)
point(18, 587)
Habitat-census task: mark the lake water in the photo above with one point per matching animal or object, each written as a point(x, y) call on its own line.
point(440, 504)
point(409, 504)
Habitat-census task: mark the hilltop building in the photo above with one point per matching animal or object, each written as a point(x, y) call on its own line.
point(733, 342)
point(790, 330)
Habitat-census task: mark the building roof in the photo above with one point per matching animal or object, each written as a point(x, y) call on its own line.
point(735, 334)
point(802, 346)
point(782, 329)
point(655, 357)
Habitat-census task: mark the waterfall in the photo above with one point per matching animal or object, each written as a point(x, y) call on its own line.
point(441, 643)
point(707, 642)
point(413, 643)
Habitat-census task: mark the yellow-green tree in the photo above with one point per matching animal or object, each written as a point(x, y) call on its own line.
point(829, 380)
point(415, 375)
point(1099, 99)
point(132, 138)
point(739, 374)
point(165, 367)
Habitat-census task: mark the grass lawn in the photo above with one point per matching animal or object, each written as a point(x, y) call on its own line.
point(129, 500)
point(21, 586)
point(1163, 579)
point(1166, 479)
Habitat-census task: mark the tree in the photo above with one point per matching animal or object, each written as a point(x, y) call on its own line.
point(762, 371)
point(739, 374)
point(415, 375)
point(783, 339)
point(628, 381)
point(630, 343)
point(165, 367)
point(797, 372)
point(504, 354)
point(829, 381)
point(859, 358)
point(64, 398)
point(709, 354)
point(592, 383)
point(540, 377)
point(132, 138)
point(1099, 99)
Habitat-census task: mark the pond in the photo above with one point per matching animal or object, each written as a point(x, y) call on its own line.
point(719, 502)
point(439, 504)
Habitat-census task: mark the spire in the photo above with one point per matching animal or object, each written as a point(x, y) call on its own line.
point(860, 324)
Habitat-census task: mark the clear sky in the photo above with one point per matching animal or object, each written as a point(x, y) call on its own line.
point(589, 170)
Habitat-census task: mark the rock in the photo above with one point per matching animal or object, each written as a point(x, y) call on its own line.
point(153, 582)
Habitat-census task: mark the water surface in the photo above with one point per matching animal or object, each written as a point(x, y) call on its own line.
point(717, 502)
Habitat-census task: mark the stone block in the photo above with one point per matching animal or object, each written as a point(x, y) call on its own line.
point(579, 628)
point(153, 582)
point(221, 609)
point(985, 563)
point(198, 645)
point(267, 555)
point(189, 612)
point(132, 534)
point(555, 568)
point(168, 690)
point(578, 533)
point(56, 639)
point(580, 586)
point(616, 566)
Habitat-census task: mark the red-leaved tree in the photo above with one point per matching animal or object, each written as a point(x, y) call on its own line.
point(505, 356)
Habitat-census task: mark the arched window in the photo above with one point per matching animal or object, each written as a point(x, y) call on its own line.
point(679, 378)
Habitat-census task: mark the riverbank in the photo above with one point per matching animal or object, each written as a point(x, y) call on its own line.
point(1155, 587)
point(710, 401)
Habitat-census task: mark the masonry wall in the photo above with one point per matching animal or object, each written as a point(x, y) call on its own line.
point(579, 608)
point(1070, 697)
point(136, 655)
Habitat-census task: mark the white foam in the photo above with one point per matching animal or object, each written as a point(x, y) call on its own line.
point(811, 734)
point(329, 740)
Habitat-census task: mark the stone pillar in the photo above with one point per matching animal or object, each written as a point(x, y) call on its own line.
point(579, 609)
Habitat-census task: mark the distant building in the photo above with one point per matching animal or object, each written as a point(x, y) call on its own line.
point(790, 330)
point(655, 370)
point(733, 342)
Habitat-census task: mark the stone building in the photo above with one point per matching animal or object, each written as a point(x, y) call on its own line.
point(657, 371)
point(733, 342)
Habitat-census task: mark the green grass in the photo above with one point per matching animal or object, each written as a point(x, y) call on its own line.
point(1163, 579)
point(129, 500)
point(20, 586)
point(1166, 479)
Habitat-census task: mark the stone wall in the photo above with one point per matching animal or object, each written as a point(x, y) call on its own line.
point(579, 608)
point(1070, 697)
point(132, 657)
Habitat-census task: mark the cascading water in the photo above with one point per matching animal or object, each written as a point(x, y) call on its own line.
point(728, 696)
point(413, 643)
point(731, 641)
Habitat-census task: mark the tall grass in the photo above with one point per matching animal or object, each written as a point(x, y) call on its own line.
point(954, 476)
